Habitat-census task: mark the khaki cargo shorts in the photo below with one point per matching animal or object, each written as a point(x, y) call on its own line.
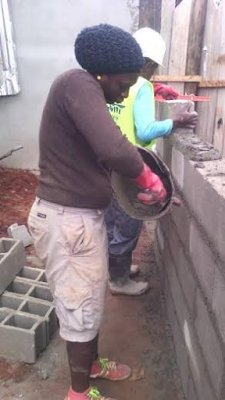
point(72, 243)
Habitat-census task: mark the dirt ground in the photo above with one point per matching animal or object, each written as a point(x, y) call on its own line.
point(134, 330)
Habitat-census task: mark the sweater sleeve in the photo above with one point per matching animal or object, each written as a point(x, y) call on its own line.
point(147, 128)
point(86, 106)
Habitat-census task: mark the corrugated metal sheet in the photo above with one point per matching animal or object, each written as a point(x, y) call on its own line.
point(8, 68)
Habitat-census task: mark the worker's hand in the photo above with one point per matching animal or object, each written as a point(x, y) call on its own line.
point(153, 189)
point(176, 201)
point(186, 119)
point(167, 92)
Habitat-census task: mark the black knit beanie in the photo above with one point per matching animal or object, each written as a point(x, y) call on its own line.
point(106, 49)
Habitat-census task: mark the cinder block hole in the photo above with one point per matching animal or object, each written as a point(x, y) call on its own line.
point(6, 245)
point(36, 308)
point(3, 315)
point(43, 278)
point(18, 287)
point(10, 302)
point(41, 293)
point(20, 321)
point(28, 273)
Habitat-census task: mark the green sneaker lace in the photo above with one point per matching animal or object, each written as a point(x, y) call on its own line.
point(94, 394)
point(105, 364)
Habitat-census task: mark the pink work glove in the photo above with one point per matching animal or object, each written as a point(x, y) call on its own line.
point(167, 92)
point(153, 186)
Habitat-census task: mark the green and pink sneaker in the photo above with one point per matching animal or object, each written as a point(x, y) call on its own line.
point(111, 370)
point(91, 394)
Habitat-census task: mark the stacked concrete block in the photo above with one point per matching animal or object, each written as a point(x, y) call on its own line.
point(22, 337)
point(12, 260)
point(27, 316)
point(190, 253)
point(36, 275)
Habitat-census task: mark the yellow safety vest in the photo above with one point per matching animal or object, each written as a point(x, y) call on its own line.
point(123, 115)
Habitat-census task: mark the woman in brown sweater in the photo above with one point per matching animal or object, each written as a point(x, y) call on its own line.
point(79, 145)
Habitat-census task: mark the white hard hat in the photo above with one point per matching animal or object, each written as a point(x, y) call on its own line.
point(151, 43)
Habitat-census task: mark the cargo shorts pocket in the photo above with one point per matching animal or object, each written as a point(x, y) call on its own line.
point(74, 308)
point(38, 229)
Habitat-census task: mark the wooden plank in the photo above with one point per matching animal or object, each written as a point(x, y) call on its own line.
point(189, 78)
point(208, 117)
point(212, 84)
point(179, 44)
point(177, 78)
point(167, 9)
point(211, 43)
point(219, 129)
point(195, 38)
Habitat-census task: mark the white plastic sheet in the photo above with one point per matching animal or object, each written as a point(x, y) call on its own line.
point(8, 67)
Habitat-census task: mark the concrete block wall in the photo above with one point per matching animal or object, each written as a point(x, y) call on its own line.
point(27, 316)
point(190, 254)
point(12, 260)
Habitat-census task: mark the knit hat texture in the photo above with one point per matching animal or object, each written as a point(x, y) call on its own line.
point(107, 49)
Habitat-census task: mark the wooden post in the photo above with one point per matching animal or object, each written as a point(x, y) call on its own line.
point(179, 41)
point(211, 126)
point(167, 9)
point(187, 36)
point(195, 39)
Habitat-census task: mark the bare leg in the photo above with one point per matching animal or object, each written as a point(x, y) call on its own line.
point(81, 357)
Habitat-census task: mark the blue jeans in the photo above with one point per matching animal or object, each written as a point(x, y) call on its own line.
point(123, 234)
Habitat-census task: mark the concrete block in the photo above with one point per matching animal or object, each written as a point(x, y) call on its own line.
point(164, 149)
point(22, 337)
point(178, 167)
point(20, 232)
point(32, 307)
point(181, 262)
point(24, 287)
point(160, 237)
point(182, 219)
point(209, 343)
point(192, 394)
point(173, 108)
point(187, 281)
point(10, 301)
point(222, 394)
point(205, 191)
point(32, 274)
point(42, 279)
point(3, 314)
point(19, 288)
point(11, 262)
point(178, 298)
point(43, 310)
point(178, 340)
point(203, 261)
point(199, 372)
point(167, 148)
point(219, 301)
point(27, 316)
point(160, 147)
point(159, 260)
point(192, 147)
point(42, 293)
point(177, 294)
point(197, 363)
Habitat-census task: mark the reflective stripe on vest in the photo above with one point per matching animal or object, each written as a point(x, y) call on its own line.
point(123, 114)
